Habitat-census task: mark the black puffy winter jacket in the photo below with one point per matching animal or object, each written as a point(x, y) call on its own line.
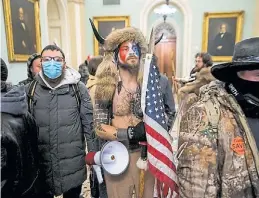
point(19, 150)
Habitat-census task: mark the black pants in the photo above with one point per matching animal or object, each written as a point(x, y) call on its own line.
point(72, 193)
point(97, 190)
point(94, 185)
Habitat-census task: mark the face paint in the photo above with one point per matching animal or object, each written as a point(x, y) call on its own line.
point(129, 53)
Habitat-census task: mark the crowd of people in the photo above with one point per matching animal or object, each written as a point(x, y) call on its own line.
point(53, 118)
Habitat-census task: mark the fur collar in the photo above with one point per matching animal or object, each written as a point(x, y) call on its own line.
point(116, 37)
point(203, 77)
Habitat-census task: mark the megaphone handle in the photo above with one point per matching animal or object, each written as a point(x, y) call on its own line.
point(144, 152)
point(98, 173)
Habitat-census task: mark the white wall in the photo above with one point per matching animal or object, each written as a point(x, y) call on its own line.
point(18, 71)
point(192, 10)
point(134, 8)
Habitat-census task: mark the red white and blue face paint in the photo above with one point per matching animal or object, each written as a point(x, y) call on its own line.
point(129, 53)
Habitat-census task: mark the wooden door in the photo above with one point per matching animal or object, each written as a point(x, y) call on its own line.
point(166, 53)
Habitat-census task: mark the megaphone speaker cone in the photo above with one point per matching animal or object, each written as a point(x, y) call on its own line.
point(114, 158)
point(108, 159)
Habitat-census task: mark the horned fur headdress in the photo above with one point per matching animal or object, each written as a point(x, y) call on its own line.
point(106, 74)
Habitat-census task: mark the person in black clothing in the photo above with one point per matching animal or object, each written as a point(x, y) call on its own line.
point(4, 74)
point(62, 108)
point(97, 190)
point(223, 44)
point(241, 77)
point(23, 42)
point(19, 150)
point(83, 70)
point(33, 68)
point(168, 99)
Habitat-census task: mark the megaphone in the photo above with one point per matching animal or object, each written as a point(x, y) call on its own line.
point(114, 158)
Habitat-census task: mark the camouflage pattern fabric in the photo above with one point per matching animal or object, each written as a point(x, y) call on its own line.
point(217, 162)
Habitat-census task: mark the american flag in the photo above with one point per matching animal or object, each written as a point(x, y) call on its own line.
point(159, 149)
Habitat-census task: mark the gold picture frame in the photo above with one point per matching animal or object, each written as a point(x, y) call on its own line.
point(22, 30)
point(220, 33)
point(105, 25)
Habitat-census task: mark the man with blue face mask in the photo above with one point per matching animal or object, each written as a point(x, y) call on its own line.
point(62, 108)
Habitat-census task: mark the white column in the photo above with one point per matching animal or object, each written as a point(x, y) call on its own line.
point(256, 25)
point(78, 33)
point(44, 23)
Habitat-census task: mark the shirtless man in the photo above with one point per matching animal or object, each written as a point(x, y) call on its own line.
point(118, 114)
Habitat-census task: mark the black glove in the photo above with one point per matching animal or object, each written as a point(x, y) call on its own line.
point(137, 133)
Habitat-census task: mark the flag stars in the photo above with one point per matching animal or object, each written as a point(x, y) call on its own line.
point(154, 98)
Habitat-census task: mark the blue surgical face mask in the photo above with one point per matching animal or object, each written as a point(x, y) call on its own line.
point(52, 69)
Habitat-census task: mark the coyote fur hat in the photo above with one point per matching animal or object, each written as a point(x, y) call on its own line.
point(106, 74)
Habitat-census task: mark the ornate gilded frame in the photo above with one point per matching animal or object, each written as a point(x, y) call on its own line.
point(107, 18)
point(207, 16)
point(9, 31)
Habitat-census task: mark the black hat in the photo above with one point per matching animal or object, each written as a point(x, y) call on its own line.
point(245, 57)
point(29, 64)
point(4, 71)
point(32, 58)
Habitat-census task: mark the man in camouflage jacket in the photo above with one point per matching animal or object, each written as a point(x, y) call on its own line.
point(218, 135)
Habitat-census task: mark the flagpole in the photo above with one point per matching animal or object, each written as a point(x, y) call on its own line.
point(143, 169)
point(142, 162)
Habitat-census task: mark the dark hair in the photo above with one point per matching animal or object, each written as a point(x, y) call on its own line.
point(93, 64)
point(86, 62)
point(4, 71)
point(53, 48)
point(206, 58)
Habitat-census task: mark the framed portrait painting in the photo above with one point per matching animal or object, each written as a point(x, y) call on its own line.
point(22, 28)
point(220, 33)
point(105, 25)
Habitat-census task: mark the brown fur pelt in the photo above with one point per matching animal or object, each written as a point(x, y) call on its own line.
point(203, 77)
point(107, 79)
point(106, 74)
point(116, 37)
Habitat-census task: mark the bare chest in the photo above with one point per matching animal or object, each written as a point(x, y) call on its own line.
point(126, 108)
